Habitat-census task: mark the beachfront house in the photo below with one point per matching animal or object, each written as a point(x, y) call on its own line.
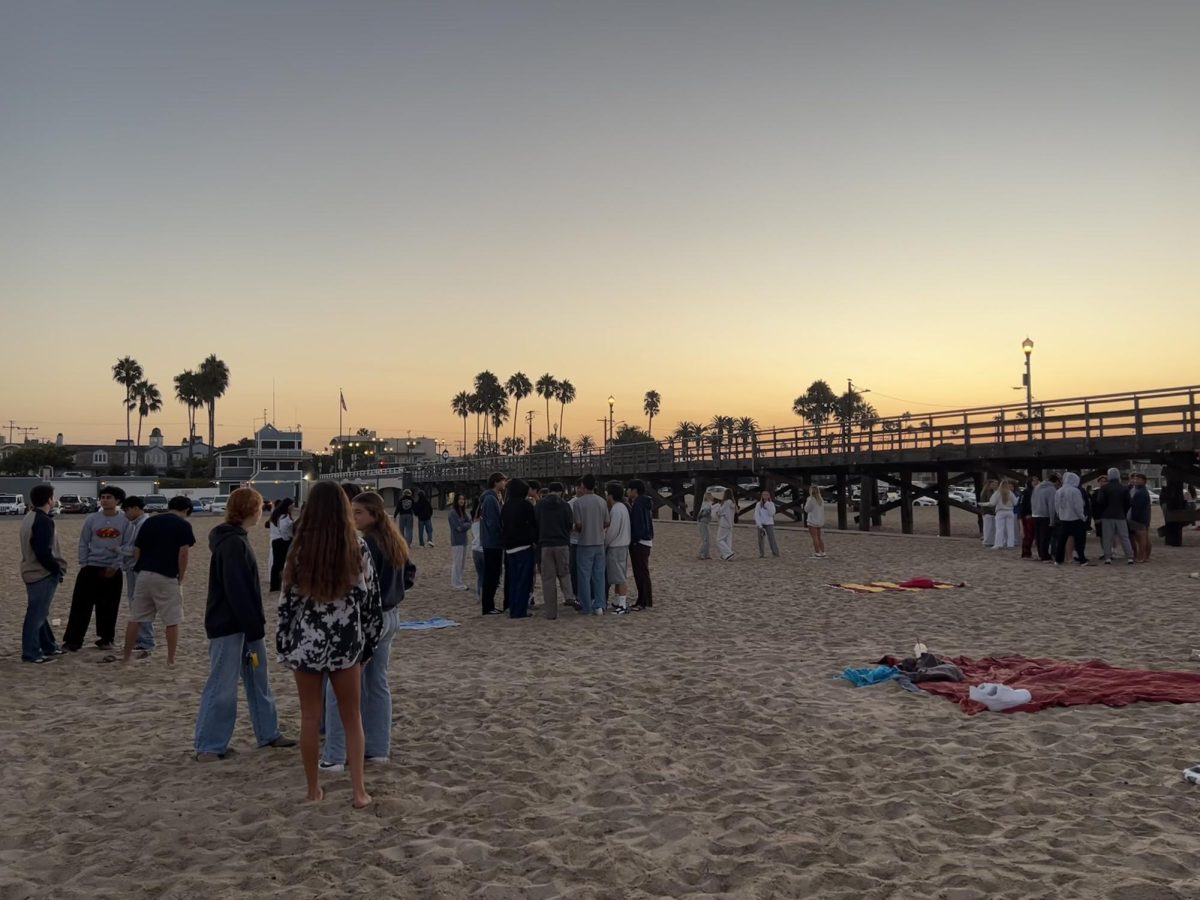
point(274, 465)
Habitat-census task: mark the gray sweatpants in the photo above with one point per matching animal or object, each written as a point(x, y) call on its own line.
point(767, 531)
point(1119, 527)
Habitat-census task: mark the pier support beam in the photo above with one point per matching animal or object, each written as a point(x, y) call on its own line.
point(943, 503)
point(906, 501)
point(843, 518)
point(866, 502)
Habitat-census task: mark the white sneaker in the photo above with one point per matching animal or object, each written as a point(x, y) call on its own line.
point(378, 760)
point(331, 768)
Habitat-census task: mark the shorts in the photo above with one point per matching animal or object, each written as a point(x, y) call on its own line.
point(1138, 526)
point(156, 596)
point(615, 563)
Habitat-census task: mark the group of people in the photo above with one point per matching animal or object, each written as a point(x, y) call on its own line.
point(341, 569)
point(1057, 514)
point(724, 512)
point(584, 547)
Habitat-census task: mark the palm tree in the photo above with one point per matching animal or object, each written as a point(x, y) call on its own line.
point(213, 377)
point(460, 404)
point(477, 410)
point(547, 387)
point(498, 410)
point(487, 388)
point(816, 405)
point(586, 444)
point(747, 430)
point(650, 405)
point(723, 427)
point(565, 395)
point(851, 409)
point(519, 387)
point(149, 400)
point(188, 391)
point(127, 372)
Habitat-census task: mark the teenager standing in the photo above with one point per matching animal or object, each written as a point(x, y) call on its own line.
point(814, 515)
point(460, 531)
point(726, 515)
point(404, 515)
point(1002, 502)
point(764, 520)
point(423, 510)
point(641, 541)
point(330, 618)
point(389, 555)
point(518, 535)
point(98, 585)
point(43, 569)
point(591, 520)
point(555, 526)
point(235, 624)
point(135, 512)
point(282, 527)
point(704, 517)
point(491, 541)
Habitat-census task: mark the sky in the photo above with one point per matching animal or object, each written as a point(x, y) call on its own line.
point(719, 201)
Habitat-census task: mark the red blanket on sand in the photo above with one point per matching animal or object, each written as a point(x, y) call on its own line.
point(1053, 682)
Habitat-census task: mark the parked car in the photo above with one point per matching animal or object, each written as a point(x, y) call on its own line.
point(924, 501)
point(154, 503)
point(73, 503)
point(90, 504)
point(206, 503)
point(12, 505)
point(219, 504)
point(1153, 497)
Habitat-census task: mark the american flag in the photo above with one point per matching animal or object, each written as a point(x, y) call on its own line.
point(343, 396)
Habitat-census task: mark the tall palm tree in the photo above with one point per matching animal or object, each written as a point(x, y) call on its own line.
point(127, 372)
point(149, 400)
point(477, 410)
point(565, 395)
point(487, 388)
point(213, 377)
point(723, 427)
point(519, 387)
point(498, 411)
point(816, 405)
point(651, 405)
point(547, 386)
point(746, 429)
point(189, 392)
point(461, 406)
point(586, 444)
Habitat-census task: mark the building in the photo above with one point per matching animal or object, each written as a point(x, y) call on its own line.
point(275, 465)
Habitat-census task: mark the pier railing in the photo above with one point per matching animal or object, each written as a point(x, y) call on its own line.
point(1084, 420)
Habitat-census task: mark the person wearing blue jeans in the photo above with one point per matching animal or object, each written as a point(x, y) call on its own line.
point(43, 568)
point(236, 627)
point(591, 520)
point(134, 509)
point(376, 705)
point(404, 515)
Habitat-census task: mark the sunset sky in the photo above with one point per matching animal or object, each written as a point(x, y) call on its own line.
point(719, 201)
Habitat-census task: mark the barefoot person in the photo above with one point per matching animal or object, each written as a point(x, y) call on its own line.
point(814, 515)
point(161, 562)
point(389, 555)
point(330, 618)
point(236, 627)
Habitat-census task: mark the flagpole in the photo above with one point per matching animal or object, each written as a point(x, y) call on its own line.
point(340, 402)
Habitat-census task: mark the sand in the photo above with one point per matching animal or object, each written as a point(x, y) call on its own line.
point(700, 750)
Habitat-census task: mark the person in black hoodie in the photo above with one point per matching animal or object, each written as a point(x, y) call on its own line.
point(518, 535)
point(424, 511)
point(236, 626)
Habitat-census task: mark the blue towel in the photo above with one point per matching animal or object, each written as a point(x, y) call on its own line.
point(864, 677)
point(427, 624)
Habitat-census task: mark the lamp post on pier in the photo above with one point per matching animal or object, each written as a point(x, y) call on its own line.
point(611, 402)
point(1027, 346)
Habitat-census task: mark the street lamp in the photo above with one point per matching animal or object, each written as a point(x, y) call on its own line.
point(611, 402)
point(1027, 346)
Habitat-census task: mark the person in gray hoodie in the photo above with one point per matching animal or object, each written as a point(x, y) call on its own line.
point(1072, 519)
point(1113, 500)
point(1042, 511)
point(98, 585)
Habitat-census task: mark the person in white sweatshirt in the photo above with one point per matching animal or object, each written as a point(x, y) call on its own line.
point(989, 516)
point(704, 518)
point(814, 515)
point(764, 519)
point(616, 546)
point(725, 514)
point(1002, 503)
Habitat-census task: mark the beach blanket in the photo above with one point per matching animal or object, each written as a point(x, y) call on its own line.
point(913, 584)
point(866, 677)
point(1053, 682)
point(426, 624)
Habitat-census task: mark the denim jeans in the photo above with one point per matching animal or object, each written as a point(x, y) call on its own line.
point(37, 640)
point(518, 581)
point(145, 635)
point(425, 531)
point(376, 701)
point(229, 659)
point(591, 593)
point(406, 528)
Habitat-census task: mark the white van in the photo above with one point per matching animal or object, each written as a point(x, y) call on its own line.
point(12, 505)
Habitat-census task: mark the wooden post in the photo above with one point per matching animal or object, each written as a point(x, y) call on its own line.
point(843, 519)
point(906, 501)
point(943, 501)
point(699, 486)
point(1172, 499)
point(866, 502)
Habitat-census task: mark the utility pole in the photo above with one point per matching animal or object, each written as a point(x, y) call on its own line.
point(25, 432)
point(11, 427)
point(529, 416)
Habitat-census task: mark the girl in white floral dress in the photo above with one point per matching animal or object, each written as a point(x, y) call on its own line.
point(330, 618)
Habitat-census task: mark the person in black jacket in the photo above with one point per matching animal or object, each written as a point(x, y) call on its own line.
point(236, 627)
point(518, 535)
point(424, 512)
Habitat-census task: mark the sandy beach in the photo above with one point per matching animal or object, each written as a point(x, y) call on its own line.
point(703, 749)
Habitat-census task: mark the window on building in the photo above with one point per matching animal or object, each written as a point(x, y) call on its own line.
point(269, 467)
point(100, 458)
point(269, 445)
point(287, 445)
